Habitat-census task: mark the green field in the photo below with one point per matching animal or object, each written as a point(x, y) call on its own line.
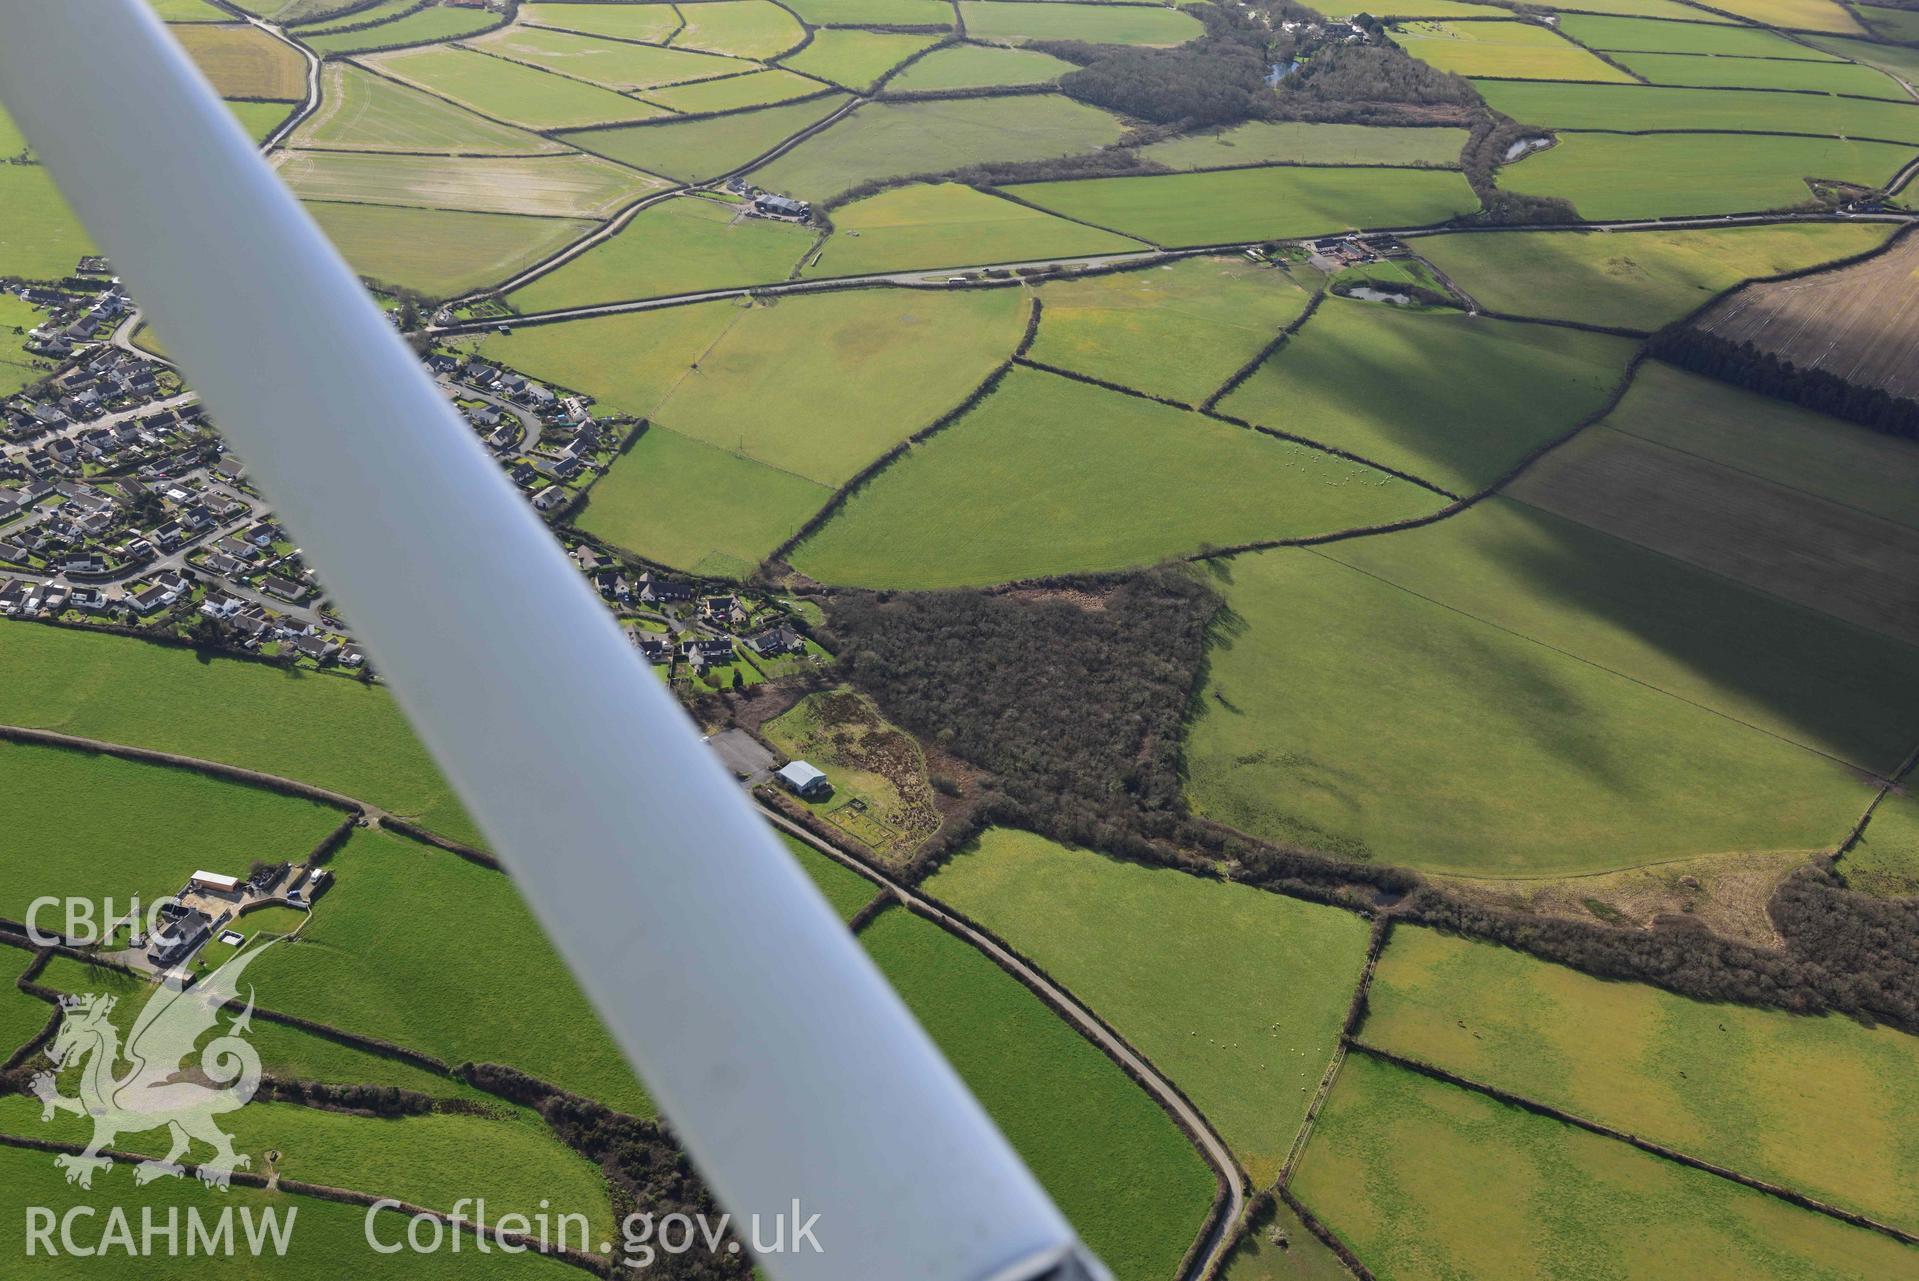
point(21, 1016)
point(1776, 441)
point(627, 362)
point(439, 252)
point(1893, 24)
point(1885, 862)
point(1638, 279)
point(331, 18)
point(508, 91)
point(916, 355)
point(1240, 205)
point(420, 947)
point(162, 825)
point(697, 149)
point(1519, 50)
point(615, 64)
point(856, 59)
point(1763, 73)
point(260, 118)
point(1898, 59)
point(431, 1160)
point(972, 66)
point(888, 140)
point(742, 28)
point(1301, 1256)
point(1179, 330)
point(1509, 694)
point(1237, 994)
point(1425, 1180)
point(874, 13)
point(325, 1234)
point(1726, 1083)
point(188, 11)
point(696, 506)
point(1681, 37)
point(1117, 1166)
point(428, 26)
point(647, 22)
point(1050, 476)
point(949, 225)
point(40, 239)
point(846, 891)
point(324, 730)
point(1093, 23)
point(565, 185)
point(1672, 174)
point(1456, 400)
point(1634, 107)
point(360, 111)
point(733, 93)
point(678, 246)
point(1805, 15)
point(1263, 142)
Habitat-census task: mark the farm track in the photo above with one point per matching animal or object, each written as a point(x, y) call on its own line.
point(1215, 1236)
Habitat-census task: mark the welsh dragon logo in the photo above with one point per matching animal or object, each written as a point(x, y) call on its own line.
point(157, 1089)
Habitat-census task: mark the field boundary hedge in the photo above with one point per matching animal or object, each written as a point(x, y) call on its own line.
point(1510, 1099)
point(213, 769)
point(1264, 354)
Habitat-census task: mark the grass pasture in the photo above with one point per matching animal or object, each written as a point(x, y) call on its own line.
point(1893, 24)
point(629, 362)
point(361, 111)
point(874, 13)
point(1774, 440)
point(677, 246)
point(732, 93)
point(439, 252)
point(1240, 205)
point(615, 64)
point(1799, 15)
point(40, 239)
point(1860, 323)
point(741, 28)
point(1900, 60)
point(390, 954)
point(856, 59)
point(1635, 107)
point(1674, 174)
point(188, 11)
point(326, 1233)
point(1422, 1179)
point(245, 62)
point(1178, 330)
point(1236, 993)
point(1778, 538)
point(1464, 705)
point(693, 150)
point(973, 66)
point(882, 796)
point(510, 91)
point(1115, 1164)
point(695, 506)
point(856, 373)
point(650, 23)
point(260, 119)
point(21, 1016)
point(949, 225)
point(1763, 73)
point(1813, 1104)
point(1387, 384)
point(1016, 20)
point(1645, 36)
point(1265, 142)
point(162, 824)
point(1051, 476)
point(1638, 279)
point(886, 140)
point(568, 185)
point(1885, 862)
point(1518, 50)
point(331, 18)
point(422, 27)
point(332, 732)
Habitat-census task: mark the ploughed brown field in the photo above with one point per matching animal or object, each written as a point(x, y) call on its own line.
point(1860, 323)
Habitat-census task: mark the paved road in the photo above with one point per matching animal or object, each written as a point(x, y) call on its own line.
point(1218, 1233)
